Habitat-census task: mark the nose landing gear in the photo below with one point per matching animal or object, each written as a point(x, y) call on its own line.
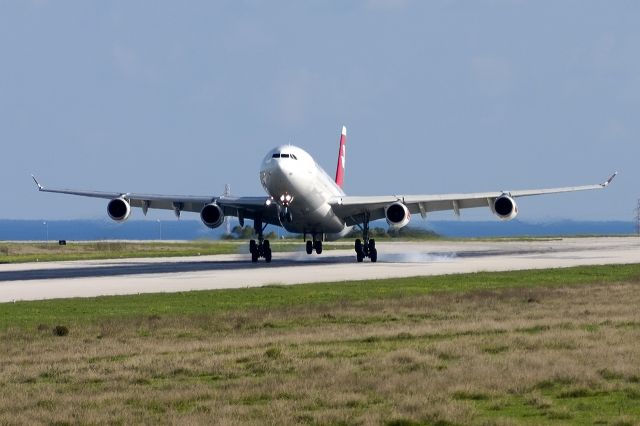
point(286, 216)
point(285, 202)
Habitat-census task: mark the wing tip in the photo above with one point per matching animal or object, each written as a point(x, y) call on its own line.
point(344, 130)
point(40, 187)
point(609, 180)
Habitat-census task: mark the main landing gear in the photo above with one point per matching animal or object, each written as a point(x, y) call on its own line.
point(262, 248)
point(367, 246)
point(314, 244)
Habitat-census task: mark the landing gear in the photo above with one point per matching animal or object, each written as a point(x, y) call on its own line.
point(261, 248)
point(314, 244)
point(366, 247)
point(286, 216)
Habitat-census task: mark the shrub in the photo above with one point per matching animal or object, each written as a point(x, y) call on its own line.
point(60, 330)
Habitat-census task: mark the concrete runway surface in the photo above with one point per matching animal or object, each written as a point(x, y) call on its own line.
point(50, 280)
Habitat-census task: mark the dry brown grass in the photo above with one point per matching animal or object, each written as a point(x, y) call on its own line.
point(460, 358)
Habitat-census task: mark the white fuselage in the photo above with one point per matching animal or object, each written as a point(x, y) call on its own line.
point(290, 171)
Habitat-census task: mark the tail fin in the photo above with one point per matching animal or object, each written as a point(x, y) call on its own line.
point(341, 158)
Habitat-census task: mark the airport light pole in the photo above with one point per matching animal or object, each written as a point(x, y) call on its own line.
point(46, 228)
point(638, 218)
point(160, 227)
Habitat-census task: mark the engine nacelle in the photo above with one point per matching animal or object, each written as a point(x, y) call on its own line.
point(119, 209)
point(505, 207)
point(212, 215)
point(397, 215)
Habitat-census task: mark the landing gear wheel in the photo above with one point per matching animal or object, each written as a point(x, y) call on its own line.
point(359, 251)
point(373, 255)
point(372, 244)
point(266, 251)
point(317, 245)
point(309, 247)
point(253, 249)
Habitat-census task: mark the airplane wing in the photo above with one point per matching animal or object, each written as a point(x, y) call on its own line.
point(245, 207)
point(353, 209)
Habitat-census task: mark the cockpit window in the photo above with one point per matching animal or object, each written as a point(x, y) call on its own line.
point(280, 155)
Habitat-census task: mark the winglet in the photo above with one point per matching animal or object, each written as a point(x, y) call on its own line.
point(40, 187)
point(608, 181)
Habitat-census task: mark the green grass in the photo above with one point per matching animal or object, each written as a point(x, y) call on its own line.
point(47, 252)
point(52, 252)
point(529, 347)
point(598, 406)
point(276, 296)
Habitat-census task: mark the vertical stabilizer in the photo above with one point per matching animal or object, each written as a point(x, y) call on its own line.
point(341, 158)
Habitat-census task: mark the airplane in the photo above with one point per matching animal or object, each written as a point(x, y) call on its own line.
point(303, 199)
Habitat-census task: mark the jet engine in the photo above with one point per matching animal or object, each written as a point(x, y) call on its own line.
point(397, 215)
point(212, 215)
point(505, 207)
point(119, 209)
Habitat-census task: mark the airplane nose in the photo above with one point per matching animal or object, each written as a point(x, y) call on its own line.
point(281, 168)
point(275, 171)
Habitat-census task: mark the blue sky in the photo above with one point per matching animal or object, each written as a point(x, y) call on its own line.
point(438, 96)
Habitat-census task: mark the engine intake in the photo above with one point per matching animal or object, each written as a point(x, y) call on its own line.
point(212, 215)
point(505, 207)
point(119, 209)
point(397, 215)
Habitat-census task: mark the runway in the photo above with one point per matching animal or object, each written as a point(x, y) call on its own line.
point(52, 280)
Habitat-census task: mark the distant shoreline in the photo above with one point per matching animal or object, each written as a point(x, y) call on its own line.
point(189, 230)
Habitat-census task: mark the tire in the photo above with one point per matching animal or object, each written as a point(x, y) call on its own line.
point(372, 244)
point(253, 247)
point(267, 255)
point(309, 247)
point(373, 255)
point(254, 257)
point(358, 246)
point(266, 245)
point(318, 246)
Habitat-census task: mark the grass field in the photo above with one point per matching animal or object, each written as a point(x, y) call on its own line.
point(530, 347)
point(47, 252)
